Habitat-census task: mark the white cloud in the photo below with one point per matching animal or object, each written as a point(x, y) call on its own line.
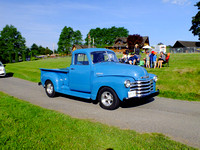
point(178, 2)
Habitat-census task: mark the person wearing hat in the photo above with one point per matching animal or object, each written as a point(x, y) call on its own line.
point(133, 59)
point(154, 59)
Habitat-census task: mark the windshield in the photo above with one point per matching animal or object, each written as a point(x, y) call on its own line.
point(103, 56)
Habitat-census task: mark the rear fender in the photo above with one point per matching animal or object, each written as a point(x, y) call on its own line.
point(54, 78)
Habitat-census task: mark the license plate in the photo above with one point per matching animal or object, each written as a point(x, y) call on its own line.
point(131, 94)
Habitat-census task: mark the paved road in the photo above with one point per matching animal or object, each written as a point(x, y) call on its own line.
point(178, 119)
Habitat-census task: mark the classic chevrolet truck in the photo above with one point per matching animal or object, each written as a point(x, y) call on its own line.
point(96, 74)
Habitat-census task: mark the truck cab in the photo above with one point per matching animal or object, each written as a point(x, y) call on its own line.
point(96, 74)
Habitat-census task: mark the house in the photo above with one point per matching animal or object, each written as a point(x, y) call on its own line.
point(76, 46)
point(145, 41)
point(121, 44)
point(184, 44)
point(185, 47)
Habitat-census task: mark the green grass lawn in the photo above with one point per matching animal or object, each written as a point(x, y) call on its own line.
point(179, 81)
point(25, 126)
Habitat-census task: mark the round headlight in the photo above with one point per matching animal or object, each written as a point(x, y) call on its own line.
point(155, 78)
point(127, 83)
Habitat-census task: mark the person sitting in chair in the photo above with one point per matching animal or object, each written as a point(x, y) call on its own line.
point(133, 59)
point(161, 59)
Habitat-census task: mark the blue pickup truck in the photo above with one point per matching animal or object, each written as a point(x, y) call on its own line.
point(96, 74)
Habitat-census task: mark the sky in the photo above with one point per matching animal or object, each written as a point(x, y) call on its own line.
point(42, 21)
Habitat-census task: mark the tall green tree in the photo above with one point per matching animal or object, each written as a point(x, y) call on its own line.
point(195, 28)
point(11, 43)
point(106, 36)
point(35, 50)
point(77, 37)
point(41, 50)
point(48, 51)
point(68, 37)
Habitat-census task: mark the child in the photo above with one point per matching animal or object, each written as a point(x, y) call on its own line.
point(154, 59)
point(124, 57)
point(147, 60)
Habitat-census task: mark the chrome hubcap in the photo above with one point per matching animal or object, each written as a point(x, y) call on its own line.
point(50, 88)
point(107, 98)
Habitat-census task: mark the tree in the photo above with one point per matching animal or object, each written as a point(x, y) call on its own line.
point(41, 50)
point(68, 37)
point(48, 51)
point(23, 56)
point(77, 38)
point(35, 50)
point(134, 39)
point(16, 57)
point(195, 28)
point(106, 36)
point(11, 43)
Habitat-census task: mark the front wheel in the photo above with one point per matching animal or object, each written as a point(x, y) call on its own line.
point(108, 99)
point(49, 88)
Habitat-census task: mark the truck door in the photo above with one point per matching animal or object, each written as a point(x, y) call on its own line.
point(80, 73)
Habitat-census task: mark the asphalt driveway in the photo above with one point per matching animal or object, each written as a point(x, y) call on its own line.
point(177, 119)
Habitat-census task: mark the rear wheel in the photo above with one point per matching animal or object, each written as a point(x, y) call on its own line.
point(108, 99)
point(49, 88)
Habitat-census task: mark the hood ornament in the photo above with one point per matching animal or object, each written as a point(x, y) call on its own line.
point(144, 77)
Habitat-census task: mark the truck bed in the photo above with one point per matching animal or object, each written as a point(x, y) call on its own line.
point(66, 70)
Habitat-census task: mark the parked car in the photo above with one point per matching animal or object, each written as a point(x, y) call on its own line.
point(2, 70)
point(96, 74)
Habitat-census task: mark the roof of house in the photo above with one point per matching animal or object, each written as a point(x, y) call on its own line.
point(124, 39)
point(145, 38)
point(186, 44)
point(80, 46)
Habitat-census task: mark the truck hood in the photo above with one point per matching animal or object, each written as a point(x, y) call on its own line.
point(118, 69)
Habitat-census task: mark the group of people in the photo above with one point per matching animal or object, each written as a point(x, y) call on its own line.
point(150, 61)
point(133, 58)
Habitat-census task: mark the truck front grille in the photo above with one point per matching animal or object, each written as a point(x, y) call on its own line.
point(142, 88)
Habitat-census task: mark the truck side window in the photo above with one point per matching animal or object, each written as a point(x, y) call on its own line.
point(81, 59)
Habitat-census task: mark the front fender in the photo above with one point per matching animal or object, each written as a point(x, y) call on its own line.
point(151, 76)
point(114, 82)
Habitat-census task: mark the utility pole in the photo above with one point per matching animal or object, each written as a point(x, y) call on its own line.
point(93, 42)
point(53, 48)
